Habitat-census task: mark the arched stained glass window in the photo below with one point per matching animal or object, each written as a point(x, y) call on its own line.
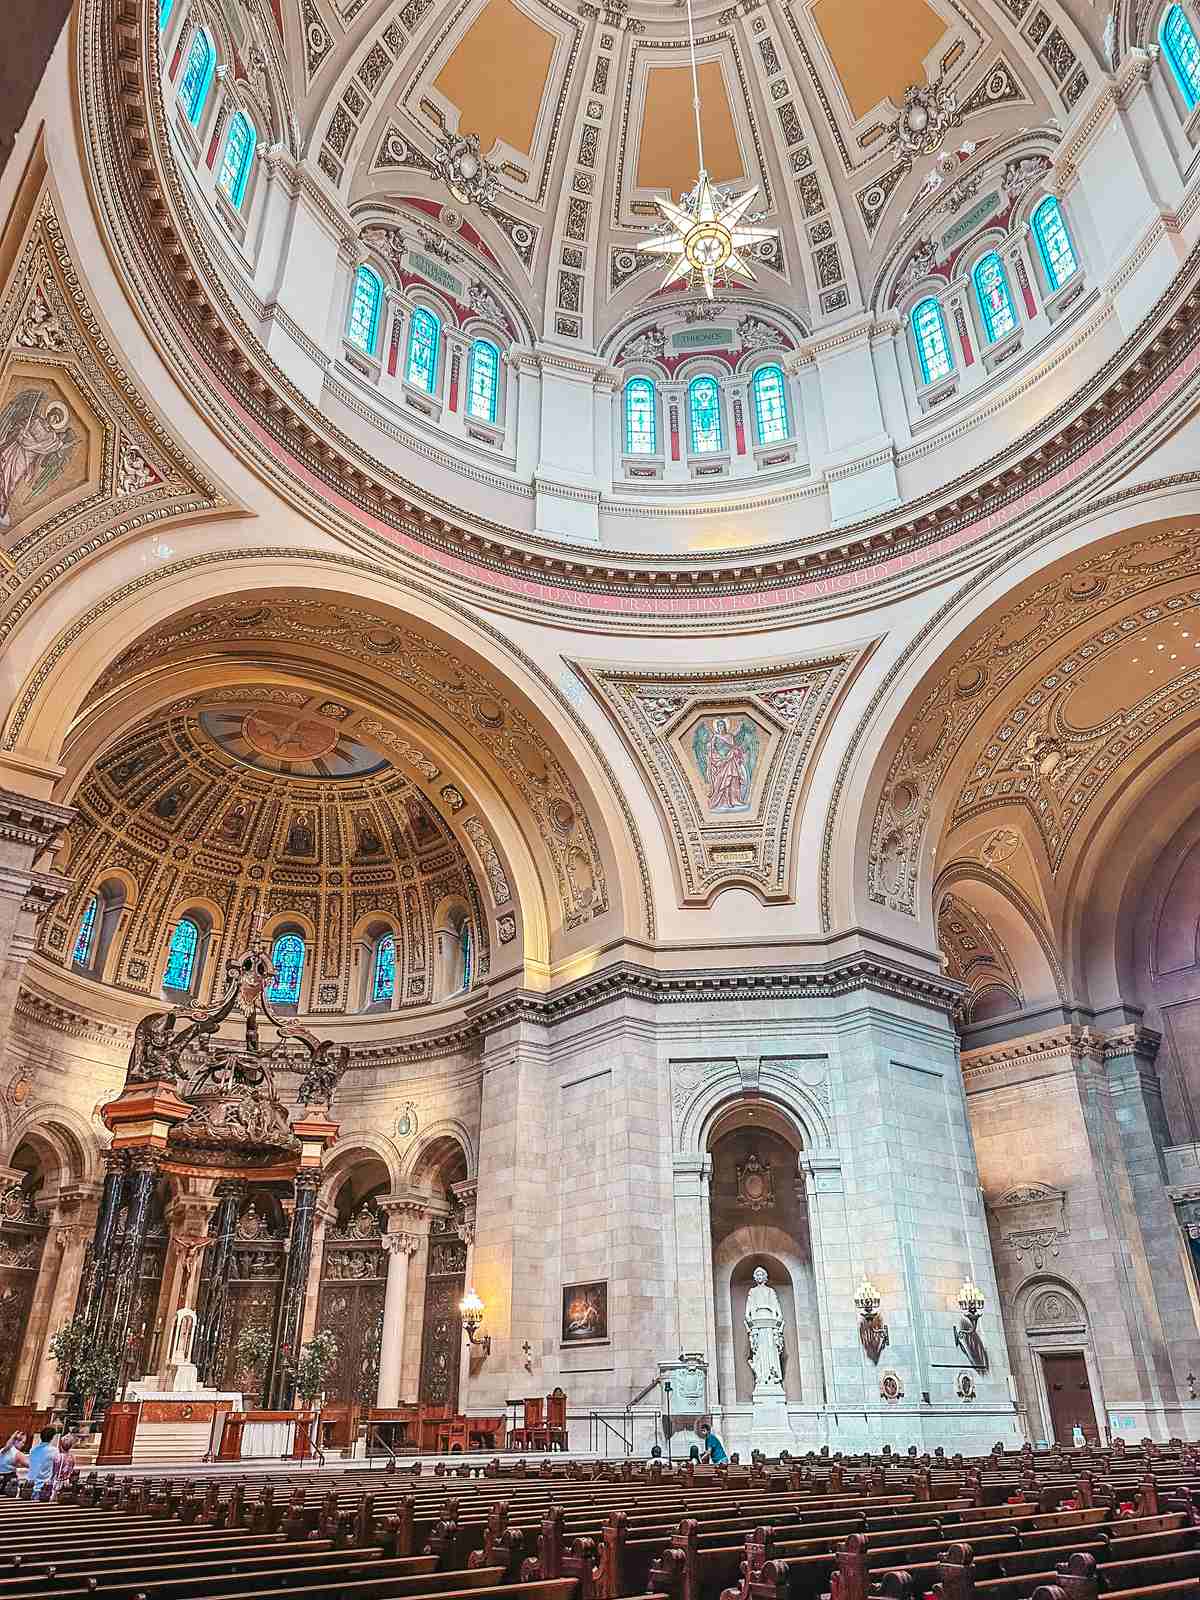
point(197, 75)
point(181, 955)
point(240, 144)
point(932, 342)
point(287, 957)
point(770, 405)
point(87, 933)
point(1054, 243)
point(366, 300)
point(641, 418)
point(1178, 39)
point(704, 411)
point(383, 985)
point(424, 334)
point(995, 299)
point(467, 946)
point(483, 381)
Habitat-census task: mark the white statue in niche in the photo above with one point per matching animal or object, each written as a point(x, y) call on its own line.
point(764, 1327)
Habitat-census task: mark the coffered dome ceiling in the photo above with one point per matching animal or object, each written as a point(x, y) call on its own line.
point(583, 117)
point(226, 807)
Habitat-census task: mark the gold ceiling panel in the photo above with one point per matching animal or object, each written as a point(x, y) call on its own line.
point(496, 76)
point(667, 147)
point(878, 47)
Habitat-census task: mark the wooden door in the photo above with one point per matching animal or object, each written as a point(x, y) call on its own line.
point(1070, 1396)
point(353, 1282)
point(441, 1343)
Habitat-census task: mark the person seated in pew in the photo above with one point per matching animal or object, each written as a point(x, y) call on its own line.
point(12, 1457)
point(43, 1459)
point(714, 1450)
point(65, 1465)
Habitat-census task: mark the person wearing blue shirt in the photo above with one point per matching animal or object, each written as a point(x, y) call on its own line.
point(714, 1450)
point(43, 1459)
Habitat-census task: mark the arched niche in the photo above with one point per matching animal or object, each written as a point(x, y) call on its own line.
point(758, 1216)
point(1056, 1366)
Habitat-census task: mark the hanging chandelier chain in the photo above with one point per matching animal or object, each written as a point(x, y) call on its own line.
point(695, 90)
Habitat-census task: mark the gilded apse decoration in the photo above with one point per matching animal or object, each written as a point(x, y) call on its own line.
point(42, 456)
point(726, 755)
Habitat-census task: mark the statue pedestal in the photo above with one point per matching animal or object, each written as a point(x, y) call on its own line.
point(186, 1377)
point(770, 1430)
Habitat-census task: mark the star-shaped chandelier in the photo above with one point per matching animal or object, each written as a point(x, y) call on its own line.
point(707, 234)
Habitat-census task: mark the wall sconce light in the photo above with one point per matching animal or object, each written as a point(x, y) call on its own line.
point(966, 1333)
point(872, 1330)
point(470, 1309)
point(970, 1299)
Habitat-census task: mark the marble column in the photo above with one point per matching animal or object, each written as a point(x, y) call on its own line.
point(58, 1284)
point(400, 1247)
point(221, 1239)
point(295, 1280)
point(466, 1194)
point(324, 1217)
point(94, 1285)
point(188, 1219)
point(29, 829)
point(143, 1175)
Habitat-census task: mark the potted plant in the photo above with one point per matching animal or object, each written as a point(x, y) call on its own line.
point(95, 1375)
point(315, 1362)
point(253, 1352)
point(66, 1347)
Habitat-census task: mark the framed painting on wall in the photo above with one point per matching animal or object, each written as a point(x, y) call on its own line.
point(584, 1312)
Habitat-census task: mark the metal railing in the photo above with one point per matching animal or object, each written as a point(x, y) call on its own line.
point(605, 1427)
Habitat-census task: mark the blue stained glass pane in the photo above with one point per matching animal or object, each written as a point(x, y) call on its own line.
point(181, 955)
point(287, 957)
point(641, 419)
point(704, 408)
point(995, 301)
point(770, 405)
point(384, 986)
point(87, 929)
point(1054, 242)
point(468, 954)
point(235, 164)
point(197, 75)
point(484, 381)
point(165, 8)
point(933, 347)
point(423, 335)
point(1178, 39)
point(363, 327)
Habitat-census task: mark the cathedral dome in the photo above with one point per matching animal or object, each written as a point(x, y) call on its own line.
point(263, 808)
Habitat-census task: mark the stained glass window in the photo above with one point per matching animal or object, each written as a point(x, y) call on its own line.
point(466, 945)
point(87, 932)
point(181, 955)
point(383, 986)
point(1054, 243)
point(287, 957)
point(933, 345)
point(483, 382)
point(235, 164)
point(197, 75)
point(365, 304)
point(770, 405)
point(423, 335)
point(995, 300)
point(1178, 39)
point(704, 408)
point(641, 418)
point(165, 7)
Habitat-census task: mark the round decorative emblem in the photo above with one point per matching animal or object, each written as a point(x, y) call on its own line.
point(490, 712)
point(406, 1122)
point(562, 816)
point(450, 218)
point(318, 39)
point(625, 261)
point(522, 236)
point(890, 1386)
point(395, 150)
point(964, 1386)
point(285, 736)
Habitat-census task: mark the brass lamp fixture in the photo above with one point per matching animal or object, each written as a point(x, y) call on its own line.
point(966, 1332)
point(872, 1330)
point(970, 1299)
point(470, 1309)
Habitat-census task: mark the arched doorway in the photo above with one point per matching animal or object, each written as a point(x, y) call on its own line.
point(1057, 1365)
point(759, 1217)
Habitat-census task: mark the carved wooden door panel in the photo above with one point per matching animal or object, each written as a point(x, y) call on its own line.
point(441, 1340)
point(353, 1313)
point(22, 1240)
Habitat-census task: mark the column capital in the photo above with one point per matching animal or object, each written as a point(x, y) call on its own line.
point(401, 1244)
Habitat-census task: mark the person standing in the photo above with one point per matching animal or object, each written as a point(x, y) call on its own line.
point(714, 1450)
point(43, 1460)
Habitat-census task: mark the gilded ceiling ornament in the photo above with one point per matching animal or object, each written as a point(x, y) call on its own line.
point(708, 237)
point(470, 179)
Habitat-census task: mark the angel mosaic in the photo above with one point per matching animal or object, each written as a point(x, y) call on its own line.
point(36, 444)
point(726, 751)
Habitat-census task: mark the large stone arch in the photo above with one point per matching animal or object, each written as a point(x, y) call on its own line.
point(66, 654)
point(908, 762)
point(63, 1136)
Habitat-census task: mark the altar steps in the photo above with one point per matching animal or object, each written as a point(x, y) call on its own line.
point(157, 1443)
